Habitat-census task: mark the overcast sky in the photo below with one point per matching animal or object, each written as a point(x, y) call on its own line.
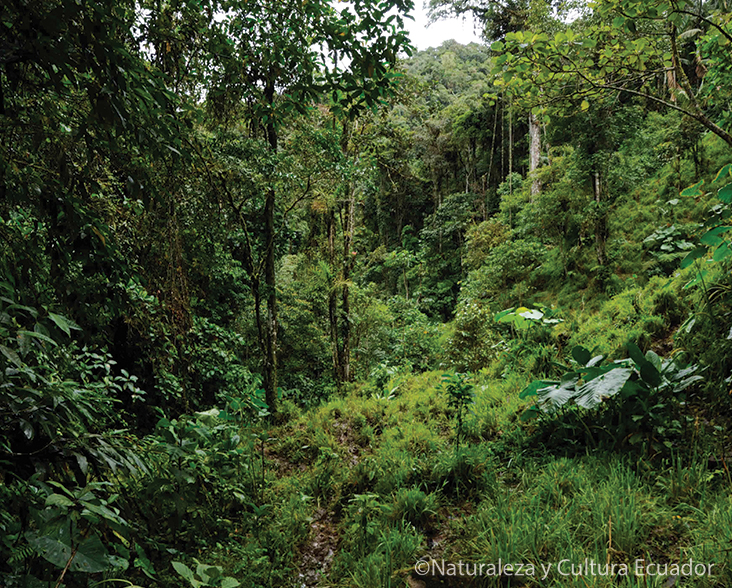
point(433, 36)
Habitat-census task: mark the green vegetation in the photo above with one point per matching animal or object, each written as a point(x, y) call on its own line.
point(286, 303)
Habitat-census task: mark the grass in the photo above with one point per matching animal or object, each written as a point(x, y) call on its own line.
point(361, 489)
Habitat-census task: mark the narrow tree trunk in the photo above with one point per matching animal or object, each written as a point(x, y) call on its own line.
point(270, 359)
point(601, 224)
point(333, 300)
point(348, 262)
point(510, 148)
point(534, 153)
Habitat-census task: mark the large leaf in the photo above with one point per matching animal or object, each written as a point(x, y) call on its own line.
point(552, 397)
point(183, 570)
point(63, 323)
point(532, 388)
point(11, 355)
point(694, 190)
point(591, 393)
point(529, 313)
point(57, 547)
point(721, 252)
point(723, 173)
point(725, 193)
point(636, 354)
point(59, 500)
point(650, 374)
point(581, 355)
point(713, 237)
point(22, 334)
point(692, 256)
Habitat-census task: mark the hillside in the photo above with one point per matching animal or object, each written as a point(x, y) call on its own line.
point(285, 303)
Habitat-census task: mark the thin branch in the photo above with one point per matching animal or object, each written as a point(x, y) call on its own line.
point(711, 23)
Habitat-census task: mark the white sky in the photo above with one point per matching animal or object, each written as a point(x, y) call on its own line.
point(422, 36)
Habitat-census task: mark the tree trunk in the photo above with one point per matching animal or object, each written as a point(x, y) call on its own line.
point(601, 224)
point(534, 153)
point(348, 262)
point(333, 300)
point(510, 148)
point(270, 359)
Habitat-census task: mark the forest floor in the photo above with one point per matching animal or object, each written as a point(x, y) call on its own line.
point(387, 499)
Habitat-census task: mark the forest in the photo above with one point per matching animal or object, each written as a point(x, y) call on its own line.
point(285, 302)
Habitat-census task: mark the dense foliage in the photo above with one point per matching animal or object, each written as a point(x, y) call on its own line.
point(283, 302)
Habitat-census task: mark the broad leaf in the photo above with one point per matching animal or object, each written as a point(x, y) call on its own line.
point(725, 193)
point(57, 547)
point(653, 357)
point(581, 355)
point(721, 252)
point(713, 237)
point(532, 388)
point(183, 570)
point(529, 414)
point(694, 190)
point(559, 394)
point(63, 323)
point(11, 355)
point(58, 500)
point(724, 172)
point(591, 394)
point(636, 354)
point(692, 256)
point(650, 374)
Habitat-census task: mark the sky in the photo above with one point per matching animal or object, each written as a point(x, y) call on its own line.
point(433, 36)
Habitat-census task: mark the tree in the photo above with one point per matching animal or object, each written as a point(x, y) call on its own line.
point(635, 47)
point(282, 58)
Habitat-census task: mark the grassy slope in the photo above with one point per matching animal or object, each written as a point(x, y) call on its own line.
point(365, 486)
point(357, 490)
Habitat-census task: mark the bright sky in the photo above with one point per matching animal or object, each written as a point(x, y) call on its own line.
point(422, 36)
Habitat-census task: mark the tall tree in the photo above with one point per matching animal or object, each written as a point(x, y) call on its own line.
point(627, 47)
point(284, 56)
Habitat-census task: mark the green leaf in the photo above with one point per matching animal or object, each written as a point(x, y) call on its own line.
point(183, 570)
point(722, 173)
point(712, 238)
point(650, 374)
point(652, 356)
point(11, 355)
point(529, 414)
point(694, 190)
point(105, 512)
point(725, 193)
point(592, 393)
point(25, 334)
point(721, 252)
point(692, 256)
point(581, 355)
point(636, 354)
point(698, 279)
point(497, 46)
point(57, 547)
point(206, 572)
point(532, 388)
point(63, 323)
point(558, 395)
point(229, 582)
point(502, 314)
point(58, 500)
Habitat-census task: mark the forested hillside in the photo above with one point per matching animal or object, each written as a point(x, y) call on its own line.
point(286, 302)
